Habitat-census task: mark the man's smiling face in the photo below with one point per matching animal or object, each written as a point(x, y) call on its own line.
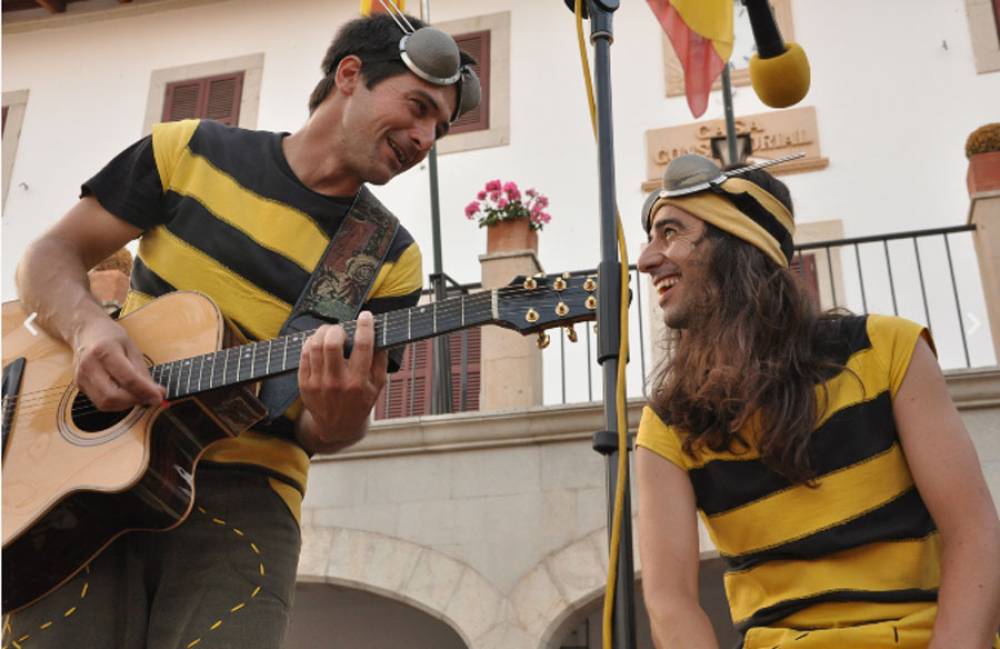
point(675, 260)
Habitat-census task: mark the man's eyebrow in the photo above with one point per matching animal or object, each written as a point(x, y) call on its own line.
point(669, 220)
point(443, 125)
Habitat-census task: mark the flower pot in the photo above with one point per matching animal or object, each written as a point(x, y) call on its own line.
point(512, 234)
point(984, 172)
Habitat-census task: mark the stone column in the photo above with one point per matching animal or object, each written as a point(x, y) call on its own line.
point(984, 213)
point(511, 370)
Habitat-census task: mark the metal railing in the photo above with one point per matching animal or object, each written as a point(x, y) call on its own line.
point(929, 276)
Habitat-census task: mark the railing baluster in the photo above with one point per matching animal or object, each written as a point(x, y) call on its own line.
point(590, 380)
point(413, 379)
point(958, 305)
point(833, 283)
point(923, 290)
point(463, 386)
point(892, 286)
point(562, 360)
point(861, 279)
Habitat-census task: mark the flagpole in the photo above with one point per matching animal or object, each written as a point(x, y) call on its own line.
point(727, 106)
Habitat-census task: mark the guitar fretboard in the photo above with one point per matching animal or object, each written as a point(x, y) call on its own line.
point(258, 360)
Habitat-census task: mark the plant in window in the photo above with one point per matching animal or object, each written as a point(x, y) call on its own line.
point(500, 201)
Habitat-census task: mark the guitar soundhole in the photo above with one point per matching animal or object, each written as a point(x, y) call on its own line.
point(89, 419)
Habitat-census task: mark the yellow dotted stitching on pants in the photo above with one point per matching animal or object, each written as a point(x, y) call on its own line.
point(256, 590)
point(7, 629)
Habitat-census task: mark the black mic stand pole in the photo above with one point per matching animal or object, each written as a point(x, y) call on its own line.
point(608, 319)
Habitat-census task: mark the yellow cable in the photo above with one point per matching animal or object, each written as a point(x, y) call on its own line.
point(619, 505)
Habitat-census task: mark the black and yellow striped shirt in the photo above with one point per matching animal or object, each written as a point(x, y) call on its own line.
point(859, 547)
point(224, 214)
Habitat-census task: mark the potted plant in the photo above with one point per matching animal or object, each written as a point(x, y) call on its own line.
point(512, 219)
point(982, 148)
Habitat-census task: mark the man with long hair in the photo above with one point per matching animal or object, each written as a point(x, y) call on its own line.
point(823, 453)
point(243, 217)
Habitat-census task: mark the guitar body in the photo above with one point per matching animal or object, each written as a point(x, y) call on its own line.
point(75, 479)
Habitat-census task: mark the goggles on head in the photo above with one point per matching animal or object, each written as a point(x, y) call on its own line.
point(690, 174)
point(433, 56)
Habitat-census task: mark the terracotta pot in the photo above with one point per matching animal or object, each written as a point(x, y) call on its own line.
point(513, 234)
point(984, 172)
point(110, 287)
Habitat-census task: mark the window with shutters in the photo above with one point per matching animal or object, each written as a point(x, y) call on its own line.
point(407, 393)
point(217, 97)
point(487, 39)
point(227, 90)
point(476, 45)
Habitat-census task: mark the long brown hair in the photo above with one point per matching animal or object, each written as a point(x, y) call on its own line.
point(749, 360)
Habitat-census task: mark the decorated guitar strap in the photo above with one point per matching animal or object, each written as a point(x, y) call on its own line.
point(338, 286)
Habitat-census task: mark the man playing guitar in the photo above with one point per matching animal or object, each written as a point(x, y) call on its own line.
point(242, 217)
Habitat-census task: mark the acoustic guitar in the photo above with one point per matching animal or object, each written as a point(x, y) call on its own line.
point(75, 478)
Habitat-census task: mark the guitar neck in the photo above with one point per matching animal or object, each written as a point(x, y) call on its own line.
point(258, 360)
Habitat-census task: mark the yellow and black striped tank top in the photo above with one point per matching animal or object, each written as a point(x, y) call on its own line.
point(860, 546)
point(223, 213)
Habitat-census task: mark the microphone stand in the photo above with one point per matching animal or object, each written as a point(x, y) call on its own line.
point(608, 313)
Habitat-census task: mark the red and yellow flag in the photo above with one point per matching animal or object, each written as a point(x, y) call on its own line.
point(370, 7)
point(701, 32)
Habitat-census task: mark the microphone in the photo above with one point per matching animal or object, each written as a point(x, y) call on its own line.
point(779, 71)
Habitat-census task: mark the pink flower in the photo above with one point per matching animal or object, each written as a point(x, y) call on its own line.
point(514, 194)
point(543, 201)
point(481, 196)
point(493, 186)
point(471, 209)
point(510, 187)
point(532, 192)
point(495, 196)
point(545, 216)
point(502, 203)
point(536, 208)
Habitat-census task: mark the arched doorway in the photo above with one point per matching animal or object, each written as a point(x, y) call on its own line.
point(338, 617)
point(583, 629)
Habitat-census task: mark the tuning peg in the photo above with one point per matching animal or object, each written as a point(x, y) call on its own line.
point(543, 340)
point(571, 334)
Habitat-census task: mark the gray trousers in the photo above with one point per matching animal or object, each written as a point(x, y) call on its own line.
point(222, 579)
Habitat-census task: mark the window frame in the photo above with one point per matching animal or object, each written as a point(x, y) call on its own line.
point(252, 66)
point(984, 33)
point(498, 133)
point(16, 103)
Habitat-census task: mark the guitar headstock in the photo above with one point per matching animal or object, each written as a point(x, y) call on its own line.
point(533, 304)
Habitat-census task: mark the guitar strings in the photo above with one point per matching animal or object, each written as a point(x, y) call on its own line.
point(85, 406)
point(391, 322)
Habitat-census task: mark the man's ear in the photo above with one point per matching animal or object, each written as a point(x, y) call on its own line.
point(348, 74)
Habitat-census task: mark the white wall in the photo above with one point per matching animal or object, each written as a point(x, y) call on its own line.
point(894, 107)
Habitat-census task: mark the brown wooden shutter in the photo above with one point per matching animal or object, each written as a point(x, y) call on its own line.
point(477, 45)
point(215, 98)
point(473, 355)
point(408, 391)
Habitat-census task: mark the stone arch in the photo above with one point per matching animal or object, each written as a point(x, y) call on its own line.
point(564, 582)
point(419, 576)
